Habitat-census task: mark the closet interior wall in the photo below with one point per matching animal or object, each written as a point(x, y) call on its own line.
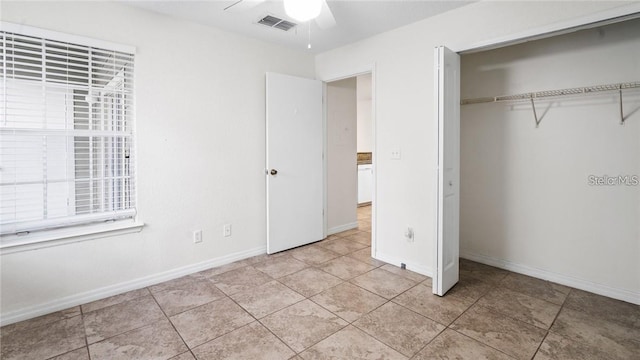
point(528, 198)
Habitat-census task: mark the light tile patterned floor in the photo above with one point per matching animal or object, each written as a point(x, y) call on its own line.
point(331, 300)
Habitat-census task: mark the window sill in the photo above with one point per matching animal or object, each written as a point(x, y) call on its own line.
point(38, 240)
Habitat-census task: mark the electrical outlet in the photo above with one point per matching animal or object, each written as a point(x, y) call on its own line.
point(408, 234)
point(197, 236)
point(226, 230)
point(396, 154)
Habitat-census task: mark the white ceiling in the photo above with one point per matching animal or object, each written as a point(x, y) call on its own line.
point(356, 19)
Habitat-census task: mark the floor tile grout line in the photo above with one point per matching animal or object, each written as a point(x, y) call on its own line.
point(454, 320)
point(290, 288)
point(56, 321)
point(553, 322)
point(221, 335)
point(349, 322)
point(326, 337)
point(500, 286)
point(274, 334)
point(380, 268)
point(136, 328)
point(228, 332)
point(509, 273)
point(540, 345)
point(84, 329)
point(170, 322)
point(487, 345)
point(372, 336)
point(224, 295)
point(369, 291)
point(3, 327)
point(126, 332)
point(380, 340)
point(495, 310)
point(499, 313)
point(394, 300)
point(341, 281)
point(471, 305)
point(229, 270)
point(182, 353)
point(115, 304)
point(532, 296)
point(561, 308)
point(280, 277)
point(430, 341)
point(70, 351)
point(305, 298)
point(260, 322)
point(352, 323)
point(352, 283)
point(313, 301)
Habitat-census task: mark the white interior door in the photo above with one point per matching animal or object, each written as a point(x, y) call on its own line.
point(448, 113)
point(294, 162)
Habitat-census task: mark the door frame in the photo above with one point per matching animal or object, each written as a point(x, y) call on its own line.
point(353, 72)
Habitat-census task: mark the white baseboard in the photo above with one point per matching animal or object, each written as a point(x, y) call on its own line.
point(104, 292)
point(341, 228)
point(420, 269)
point(620, 294)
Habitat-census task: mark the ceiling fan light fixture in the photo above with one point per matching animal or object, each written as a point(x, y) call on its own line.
point(303, 10)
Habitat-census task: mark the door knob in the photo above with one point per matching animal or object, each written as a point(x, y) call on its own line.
point(274, 171)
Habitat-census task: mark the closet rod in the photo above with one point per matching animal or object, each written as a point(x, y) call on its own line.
point(554, 93)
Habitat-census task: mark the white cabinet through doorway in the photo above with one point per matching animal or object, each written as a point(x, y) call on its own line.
point(365, 183)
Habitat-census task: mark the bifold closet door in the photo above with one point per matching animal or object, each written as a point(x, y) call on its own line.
point(447, 92)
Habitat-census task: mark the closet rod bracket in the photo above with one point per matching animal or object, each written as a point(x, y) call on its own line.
point(535, 114)
point(621, 109)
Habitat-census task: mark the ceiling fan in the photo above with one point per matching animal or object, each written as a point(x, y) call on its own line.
point(300, 10)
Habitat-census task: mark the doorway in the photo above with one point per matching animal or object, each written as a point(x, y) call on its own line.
point(350, 155)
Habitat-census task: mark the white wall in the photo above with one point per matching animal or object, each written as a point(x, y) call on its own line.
point(364, 112)
point(525, 196)
point(342, 180)
point(200, 137)
point(404, 67)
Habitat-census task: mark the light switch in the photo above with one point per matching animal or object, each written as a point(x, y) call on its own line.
point(396, 154)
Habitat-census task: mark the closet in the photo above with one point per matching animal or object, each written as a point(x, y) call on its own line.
point(550, 148)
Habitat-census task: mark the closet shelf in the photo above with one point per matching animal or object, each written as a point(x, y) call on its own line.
point(553, 93)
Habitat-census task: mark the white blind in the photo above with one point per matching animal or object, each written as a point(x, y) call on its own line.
point(66, 133)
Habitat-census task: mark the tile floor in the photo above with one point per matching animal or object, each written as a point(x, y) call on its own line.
point(331, 300)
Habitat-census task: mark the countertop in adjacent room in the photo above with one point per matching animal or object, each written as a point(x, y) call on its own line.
point(364, 158)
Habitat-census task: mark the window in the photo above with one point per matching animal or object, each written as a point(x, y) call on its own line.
point(66, 132)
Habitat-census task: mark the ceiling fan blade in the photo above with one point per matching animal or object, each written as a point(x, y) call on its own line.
point(325, 20)
point(242, 5)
